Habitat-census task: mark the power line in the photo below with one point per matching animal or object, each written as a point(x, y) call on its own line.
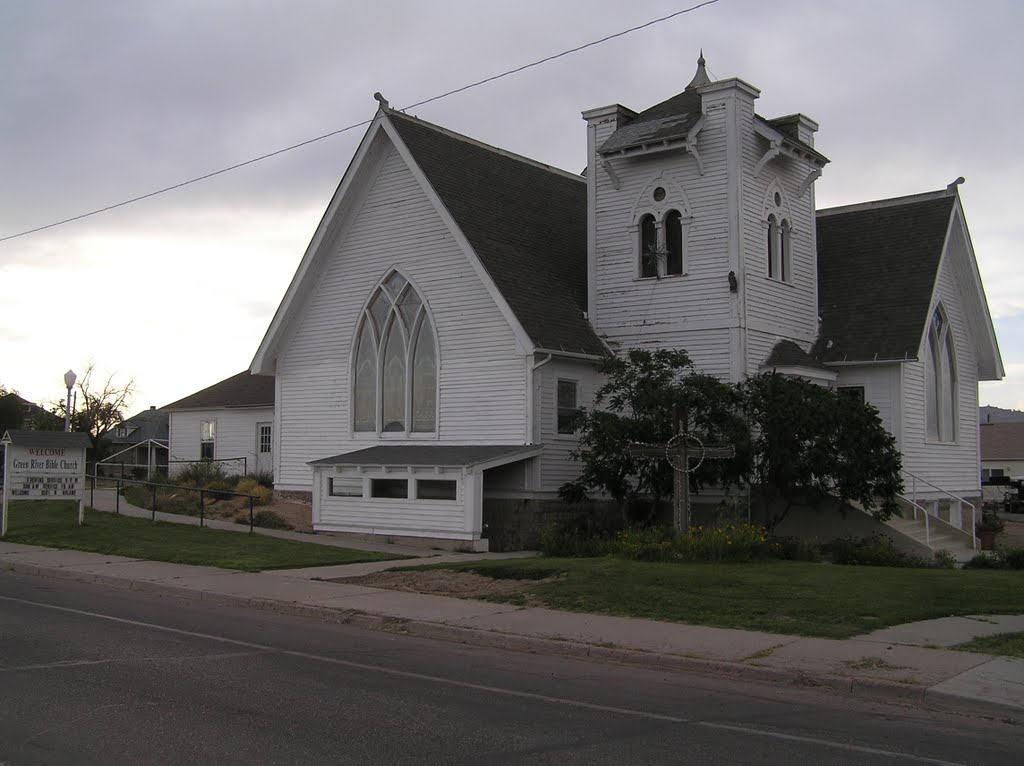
point(355, 125)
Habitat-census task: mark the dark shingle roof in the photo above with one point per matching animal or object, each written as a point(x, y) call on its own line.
point(786, 353)
point(877, 266)
point(148, 424)
point(241, 390)
point(427, 455)
point(527, 223)
point(672, 118)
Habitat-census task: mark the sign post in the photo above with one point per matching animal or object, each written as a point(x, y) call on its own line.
point(43, 465)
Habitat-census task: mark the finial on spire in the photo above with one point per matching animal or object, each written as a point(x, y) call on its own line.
point(701, 77)
point(381, 100)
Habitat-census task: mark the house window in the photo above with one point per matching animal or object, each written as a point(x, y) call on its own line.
point(661, 245)
point(265, 441)
point(940, 380)
point(853, 392)
point(567, 406)
point(207, 439)
point(389, 488)
point(436, 489)
point(345, 487)
point(121, 432)
point(395, 363)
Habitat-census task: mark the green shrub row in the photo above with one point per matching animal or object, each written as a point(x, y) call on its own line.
point(1009, 559)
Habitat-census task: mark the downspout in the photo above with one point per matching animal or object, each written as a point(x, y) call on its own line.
point(531, 368)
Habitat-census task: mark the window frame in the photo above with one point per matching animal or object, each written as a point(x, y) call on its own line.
point(660, 256)
point(210, 440)
point(778, 225)
point(387, 306)
point(941, 389)
point(559, 408)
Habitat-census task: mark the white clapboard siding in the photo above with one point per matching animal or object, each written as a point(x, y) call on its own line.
point(881, 384)
point(555, 464)
point(954, 467)
point(788, 309)
point(482, 375)
point(236, 436)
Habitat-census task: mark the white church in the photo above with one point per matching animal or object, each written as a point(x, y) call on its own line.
point(449, 312)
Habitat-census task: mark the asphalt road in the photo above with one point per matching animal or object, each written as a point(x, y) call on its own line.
point(90, 675)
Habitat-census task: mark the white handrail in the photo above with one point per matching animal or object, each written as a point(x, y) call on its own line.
point(927, 525)
point(947, 493)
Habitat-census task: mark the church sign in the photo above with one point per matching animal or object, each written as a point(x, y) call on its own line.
point(43, 465)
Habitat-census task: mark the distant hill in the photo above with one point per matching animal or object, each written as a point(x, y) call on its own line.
point(989, 414)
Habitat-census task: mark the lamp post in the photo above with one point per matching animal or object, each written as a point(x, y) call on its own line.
point(69, 381)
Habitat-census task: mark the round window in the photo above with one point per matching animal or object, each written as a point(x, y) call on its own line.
point(659, 194)
point(778, 199)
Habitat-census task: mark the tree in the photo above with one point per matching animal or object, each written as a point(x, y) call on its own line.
point(635, 405)
point(98, 409)
point(812, 443)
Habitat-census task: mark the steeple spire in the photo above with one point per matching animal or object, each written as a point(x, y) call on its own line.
point(701, 77)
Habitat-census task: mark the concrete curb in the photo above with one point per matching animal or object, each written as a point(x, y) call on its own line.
point(889, 692)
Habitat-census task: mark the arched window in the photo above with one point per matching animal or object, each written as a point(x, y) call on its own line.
point(784, 250)
point(674, 242)
point(773, 244)
point(940, 380)
point(395, 363)
point(648, 247)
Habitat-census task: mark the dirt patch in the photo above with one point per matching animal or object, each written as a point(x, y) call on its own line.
point(446, 582)
point(298, 515)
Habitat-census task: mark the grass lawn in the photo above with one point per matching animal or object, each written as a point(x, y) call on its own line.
point(54, 525)
point(825, 600)
point(1006, 644)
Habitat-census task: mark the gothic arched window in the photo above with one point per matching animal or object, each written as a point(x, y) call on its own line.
point(673, 242)
point(394, 371)
point(940, 380)
point(648, 247)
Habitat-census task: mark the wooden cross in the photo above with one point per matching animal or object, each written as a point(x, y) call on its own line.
point(679, 451)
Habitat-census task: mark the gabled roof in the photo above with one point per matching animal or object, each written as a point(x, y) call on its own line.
point(526, 222)
point(786, 353)
point(241, 390)
point(1002, 441)
point(877, 266)
point(148, 424)
point(673, 118)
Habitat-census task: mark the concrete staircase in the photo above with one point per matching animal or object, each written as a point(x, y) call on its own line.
point(943, 536)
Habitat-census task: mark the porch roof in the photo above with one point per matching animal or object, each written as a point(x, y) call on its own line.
point(434, 455)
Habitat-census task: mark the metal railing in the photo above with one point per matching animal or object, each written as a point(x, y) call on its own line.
point(156, 485)
point(927, 524)
point(913, 500)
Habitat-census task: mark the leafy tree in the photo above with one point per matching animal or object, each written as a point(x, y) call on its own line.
point(98, 408)
point(12, 414)
point(812, 443)
point(635, 405)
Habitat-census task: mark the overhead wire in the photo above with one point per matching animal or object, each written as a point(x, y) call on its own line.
point(353, 126)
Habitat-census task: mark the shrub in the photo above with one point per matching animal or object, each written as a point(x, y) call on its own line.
point(250, 486)
point(733, 542)
point(571, 542)
point(644, 544)
point(266, 520)
point(795, 549)
point(263, 478)
point(221, 489)
point(875, 550)
point(944, 560)
point(985, 561)
point(1013, 558)
point(201, 474)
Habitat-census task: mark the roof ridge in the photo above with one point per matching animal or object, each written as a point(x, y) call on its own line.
point(497, 150)
point(886, 203)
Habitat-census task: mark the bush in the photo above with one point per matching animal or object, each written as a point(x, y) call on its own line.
point(1013, 558)
point(250, 486)
point(733, 542)
point(202, 474)
point(263, 478)
point(985, 561)
point(944, 560)
point(568, 541)
point(265, 519)
point(875, 550)
point(795, 549)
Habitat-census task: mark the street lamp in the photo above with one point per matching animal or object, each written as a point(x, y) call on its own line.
point(69, 381)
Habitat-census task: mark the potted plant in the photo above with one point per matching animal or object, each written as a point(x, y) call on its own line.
point(990, 526)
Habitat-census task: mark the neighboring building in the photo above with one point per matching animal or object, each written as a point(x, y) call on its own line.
point(449, 311)
point(19, 413)
point(1002, 451)
point(231, 422)
point(140, 442)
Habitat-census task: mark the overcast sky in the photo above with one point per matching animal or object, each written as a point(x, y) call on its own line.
point(105, 100)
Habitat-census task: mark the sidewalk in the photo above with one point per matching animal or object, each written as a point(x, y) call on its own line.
point(898, 664)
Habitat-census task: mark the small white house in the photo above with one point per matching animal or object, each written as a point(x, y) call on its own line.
point(449, 312)
point(231, 422)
